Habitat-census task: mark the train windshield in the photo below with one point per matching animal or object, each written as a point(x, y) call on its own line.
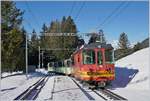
point(88, 57)
point(109, 56)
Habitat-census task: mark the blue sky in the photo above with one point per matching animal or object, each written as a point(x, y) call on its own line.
point(131, 18)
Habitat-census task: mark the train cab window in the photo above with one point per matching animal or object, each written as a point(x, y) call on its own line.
point(88, 57)
point(100, 58)
point(109, 56)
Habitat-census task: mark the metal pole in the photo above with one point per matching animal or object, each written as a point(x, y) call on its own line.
point(113, 54)
point(42, 59)
point(26, 57)
point(39, 57)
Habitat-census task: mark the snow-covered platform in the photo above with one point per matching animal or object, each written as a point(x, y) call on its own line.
point(61, 88)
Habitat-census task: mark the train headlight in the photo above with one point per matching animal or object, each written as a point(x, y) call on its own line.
point(100, 66)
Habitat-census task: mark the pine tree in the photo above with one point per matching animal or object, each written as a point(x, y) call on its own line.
point(11, 16)
point(61, 42)
point(137, 47)
point(123, 41)
point(124, 48)
point(44, 28)
point(63, 24)
point(11, 35)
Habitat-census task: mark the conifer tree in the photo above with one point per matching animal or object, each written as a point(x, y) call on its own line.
point(123, 41)
point(11, 35)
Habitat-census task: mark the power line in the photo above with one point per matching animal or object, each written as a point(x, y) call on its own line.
point(28, 7)
point(120, 11)
point(73, 4)
point(110, 15)
point(79, 10)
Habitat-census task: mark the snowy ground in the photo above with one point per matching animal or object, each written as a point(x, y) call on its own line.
point(132, 76)
point(6, 74)
point(64, 89)
point(12, 86)
point(133, 71)
point(134, 94)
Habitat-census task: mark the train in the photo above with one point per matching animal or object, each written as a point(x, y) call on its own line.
point(92, 63)
point(60, 67)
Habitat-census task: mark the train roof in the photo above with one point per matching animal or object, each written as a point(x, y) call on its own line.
point(95, 45)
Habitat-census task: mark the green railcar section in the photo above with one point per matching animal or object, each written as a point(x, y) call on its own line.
point(62, 67)
point(64, 70)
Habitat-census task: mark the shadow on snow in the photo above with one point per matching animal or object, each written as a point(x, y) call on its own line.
point(123, 76)
point(8, 89)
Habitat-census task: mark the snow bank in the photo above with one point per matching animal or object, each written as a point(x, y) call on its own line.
point(42, 70)
point(133, 71)
point(5, 74)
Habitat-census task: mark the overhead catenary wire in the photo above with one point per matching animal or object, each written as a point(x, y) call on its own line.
point(32, 14)
point(117, 14)
point(116, 11)
point(79, 11)
point(71, 10)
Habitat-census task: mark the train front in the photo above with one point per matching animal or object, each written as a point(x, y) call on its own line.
point(98, 65)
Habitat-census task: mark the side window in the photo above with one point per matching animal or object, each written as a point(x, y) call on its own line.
point(108, 56)
point(88, 57)
point(100, 59)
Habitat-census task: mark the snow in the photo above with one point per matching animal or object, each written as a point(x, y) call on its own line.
point(134, 94)
point(132, 72)
point(46, 92)
point(42, 70)
point(5, 74)
point(64, 89)
point(13, 86)
point(132, 76)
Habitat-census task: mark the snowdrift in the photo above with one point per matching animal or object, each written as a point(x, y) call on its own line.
point(133, 71)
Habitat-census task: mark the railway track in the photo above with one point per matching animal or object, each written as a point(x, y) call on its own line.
point(32, 92)
point(105, 94)
point(84, 91)
point(108, 95)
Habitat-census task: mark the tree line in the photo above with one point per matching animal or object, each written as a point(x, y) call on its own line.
point(60, 46)
point(13, 39)
point(125, 48)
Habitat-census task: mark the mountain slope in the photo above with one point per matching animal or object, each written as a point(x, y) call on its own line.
point(133, 71)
